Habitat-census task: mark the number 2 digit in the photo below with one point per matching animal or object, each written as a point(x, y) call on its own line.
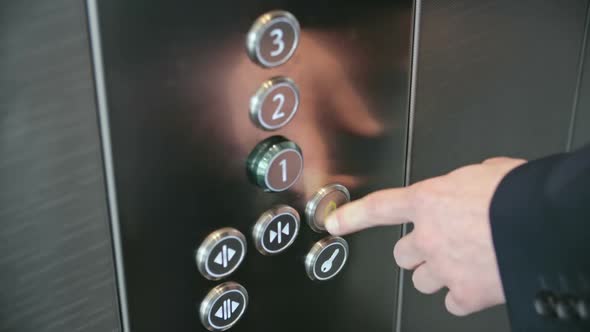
point(278, 114)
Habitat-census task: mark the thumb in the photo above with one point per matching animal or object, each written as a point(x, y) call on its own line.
point(385, 207)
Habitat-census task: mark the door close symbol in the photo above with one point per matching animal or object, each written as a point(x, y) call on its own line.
point(227, 309)
point(224, 256)
point(278, 234)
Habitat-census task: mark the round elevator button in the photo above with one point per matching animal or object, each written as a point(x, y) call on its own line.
point(275, 164)
point(221, 253)
point(273, 38)
point(324, 202)
point(326, 258)
point(274, 104)
point(223, 306)
point(276, 230)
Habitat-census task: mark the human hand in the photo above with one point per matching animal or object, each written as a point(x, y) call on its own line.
point(451, 244)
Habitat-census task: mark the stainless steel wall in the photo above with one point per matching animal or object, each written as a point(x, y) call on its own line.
point(56, 261)
point(493, 78)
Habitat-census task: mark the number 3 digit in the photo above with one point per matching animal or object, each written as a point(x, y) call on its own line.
point(278, 40)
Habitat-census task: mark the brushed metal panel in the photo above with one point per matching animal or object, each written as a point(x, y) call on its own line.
point(56, 266)
point(493, 78)
point(580, 134)
point(178, 81)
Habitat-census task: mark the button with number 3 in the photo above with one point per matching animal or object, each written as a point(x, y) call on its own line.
point(275, 164)
point(274, 104)
point(273, 38)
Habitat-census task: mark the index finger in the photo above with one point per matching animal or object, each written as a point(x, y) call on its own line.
point(385, 207)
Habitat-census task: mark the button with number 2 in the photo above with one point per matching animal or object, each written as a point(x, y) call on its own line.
point(273, 38)
point(274, 104)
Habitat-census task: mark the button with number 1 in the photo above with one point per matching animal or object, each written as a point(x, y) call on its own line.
point(273, 38)
point(275, 164)
point(274, 104)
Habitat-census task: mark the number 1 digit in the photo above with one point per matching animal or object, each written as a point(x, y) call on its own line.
point(283, 164)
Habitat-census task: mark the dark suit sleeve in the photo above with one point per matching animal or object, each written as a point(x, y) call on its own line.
point(540, 218)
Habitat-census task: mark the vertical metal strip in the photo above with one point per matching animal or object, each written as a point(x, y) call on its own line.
point(570, 136)
point(103, 117)
point(409, 142)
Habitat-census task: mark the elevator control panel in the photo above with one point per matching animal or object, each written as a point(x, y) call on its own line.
point(326, 258)
point(221, 253)
point(275, 164)
point(276, 230)
point(249, 123)
point(274, 104)
point(324, 202)
point(273, 38)
point(223, 306)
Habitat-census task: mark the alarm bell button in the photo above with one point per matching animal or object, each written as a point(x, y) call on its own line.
point(324, 202)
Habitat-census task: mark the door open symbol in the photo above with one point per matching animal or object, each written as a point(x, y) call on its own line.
point(278, 234)
point(227, 309)
point(224, 256)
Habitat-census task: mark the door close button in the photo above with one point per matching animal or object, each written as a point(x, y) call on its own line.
point(221, 253)
point(223, 306)
point(276, 230)
point(326, 258)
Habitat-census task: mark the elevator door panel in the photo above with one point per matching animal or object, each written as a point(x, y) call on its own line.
point(179, 84)
point(56, 267)
point(493, 79)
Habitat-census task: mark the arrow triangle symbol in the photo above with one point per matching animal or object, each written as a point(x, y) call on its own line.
point(219, 313)
point(273, 235)
point(230, 253)
point(286, 229)
point(219, 258)
point(234, 306)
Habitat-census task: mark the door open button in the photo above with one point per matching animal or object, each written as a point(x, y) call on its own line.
point(326, 258)
point(221, 253)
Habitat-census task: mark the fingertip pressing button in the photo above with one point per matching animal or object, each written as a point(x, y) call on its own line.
point(323, 203)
